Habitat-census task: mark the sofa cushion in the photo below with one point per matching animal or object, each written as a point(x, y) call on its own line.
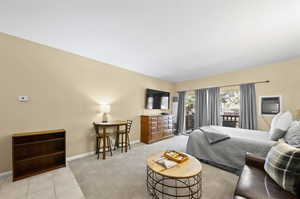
point(255, 183)
point(283, 166)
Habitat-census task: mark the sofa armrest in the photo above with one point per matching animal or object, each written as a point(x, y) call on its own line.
point(255, 161)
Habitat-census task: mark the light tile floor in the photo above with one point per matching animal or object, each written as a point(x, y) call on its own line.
point(57, 184)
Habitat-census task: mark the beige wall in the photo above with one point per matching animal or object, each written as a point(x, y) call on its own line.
point(65, 91)
point(284, 77)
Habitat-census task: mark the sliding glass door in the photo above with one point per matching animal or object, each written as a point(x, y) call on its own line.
point(230, 106)
point(189, 110)
point(229, 110)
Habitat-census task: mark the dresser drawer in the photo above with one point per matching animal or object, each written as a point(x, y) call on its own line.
point(166, 122)
point(153, 129)
point(156, 136)
point(152, 119)
point(155, 132)
point(169, 131)
point(153, 123)
point(160, 125)
point(166, 126)
point(159, 128)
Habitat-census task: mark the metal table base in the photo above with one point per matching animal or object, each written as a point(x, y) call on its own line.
point(162, 187)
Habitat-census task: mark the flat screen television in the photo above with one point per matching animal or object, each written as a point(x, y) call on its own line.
point(156, 99)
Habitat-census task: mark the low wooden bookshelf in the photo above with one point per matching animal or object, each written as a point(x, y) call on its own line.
point(38, 152)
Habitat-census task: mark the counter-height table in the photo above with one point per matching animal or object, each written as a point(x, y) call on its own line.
point(101, 130)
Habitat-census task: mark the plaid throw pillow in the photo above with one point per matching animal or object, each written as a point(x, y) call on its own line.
point(283, 166)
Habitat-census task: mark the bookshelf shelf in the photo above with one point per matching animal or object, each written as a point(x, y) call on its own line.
point(38, 152)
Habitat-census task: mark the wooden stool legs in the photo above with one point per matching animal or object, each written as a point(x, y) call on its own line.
point(97, 147)
point(128, 141)
point(108, 147)
point(117, 142)
point(121, 141)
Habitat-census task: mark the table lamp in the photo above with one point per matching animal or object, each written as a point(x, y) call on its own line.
point(104, 108)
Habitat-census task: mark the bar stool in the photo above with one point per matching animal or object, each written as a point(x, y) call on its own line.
point(122, 134)
point(100, 137)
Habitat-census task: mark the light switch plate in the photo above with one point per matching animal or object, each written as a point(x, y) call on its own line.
point(23, 98)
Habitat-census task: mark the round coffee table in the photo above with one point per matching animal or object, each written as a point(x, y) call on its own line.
point(181, 181)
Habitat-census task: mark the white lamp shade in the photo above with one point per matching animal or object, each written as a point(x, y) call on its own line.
point(105, 108)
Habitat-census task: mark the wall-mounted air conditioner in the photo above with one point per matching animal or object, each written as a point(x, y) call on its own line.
point(270, 105)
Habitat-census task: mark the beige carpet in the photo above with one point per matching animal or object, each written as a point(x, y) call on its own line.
point(123, 175)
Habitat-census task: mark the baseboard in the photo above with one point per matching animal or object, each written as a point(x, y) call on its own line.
point(80, 156)
point(135, 142)
point(8, 173)
point(92, 152)
point(5, 174)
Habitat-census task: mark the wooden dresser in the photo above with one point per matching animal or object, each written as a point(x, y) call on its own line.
point(38, 152)
point(156, 127)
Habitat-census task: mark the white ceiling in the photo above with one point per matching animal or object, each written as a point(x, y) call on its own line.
point(173, 40)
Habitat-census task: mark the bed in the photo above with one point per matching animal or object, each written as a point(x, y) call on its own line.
point(229, 153)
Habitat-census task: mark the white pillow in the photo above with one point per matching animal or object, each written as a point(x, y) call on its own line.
point(284, 121)
point(280, 124)
point(274, 121)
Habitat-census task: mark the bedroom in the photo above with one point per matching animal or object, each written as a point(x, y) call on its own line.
point(121, 49)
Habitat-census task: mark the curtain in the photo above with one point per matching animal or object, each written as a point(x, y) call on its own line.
point(213, 106)
point(200, 108)
point(248, 115)
point(180, 112)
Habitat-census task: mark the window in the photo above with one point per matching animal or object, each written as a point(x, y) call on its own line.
point(189, 110)
point(230, 106)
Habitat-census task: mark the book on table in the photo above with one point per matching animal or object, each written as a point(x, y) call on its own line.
point(163, 161)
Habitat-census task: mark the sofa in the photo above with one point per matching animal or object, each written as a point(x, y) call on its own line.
point(254, 182)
